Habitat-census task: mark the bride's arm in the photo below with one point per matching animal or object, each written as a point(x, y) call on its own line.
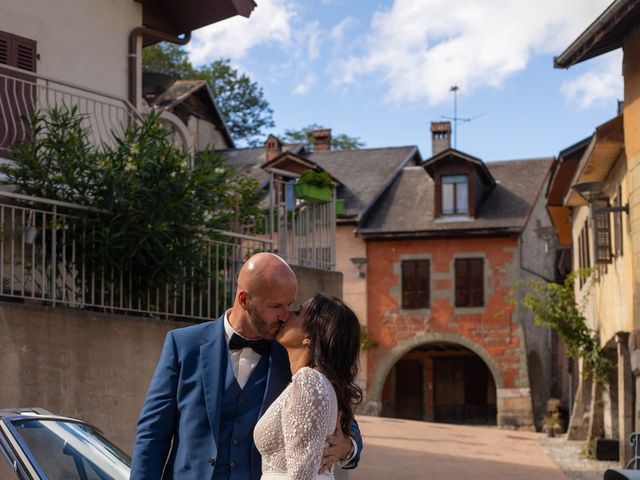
point(305, 422)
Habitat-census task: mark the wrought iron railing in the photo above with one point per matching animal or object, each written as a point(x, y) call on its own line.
point(21, 92)
point(43, 260)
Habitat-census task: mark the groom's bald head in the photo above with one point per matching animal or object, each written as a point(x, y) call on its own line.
point(267, 288)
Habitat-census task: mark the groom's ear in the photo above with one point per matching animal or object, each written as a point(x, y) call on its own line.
point(243, 299)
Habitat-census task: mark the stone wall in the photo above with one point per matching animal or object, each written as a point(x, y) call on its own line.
point(91, 365)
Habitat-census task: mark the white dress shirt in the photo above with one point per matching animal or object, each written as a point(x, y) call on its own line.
point(243, 360)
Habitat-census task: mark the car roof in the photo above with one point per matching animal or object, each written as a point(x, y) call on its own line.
point(31, 411)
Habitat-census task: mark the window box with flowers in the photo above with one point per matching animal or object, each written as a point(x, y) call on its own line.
point(314, 186)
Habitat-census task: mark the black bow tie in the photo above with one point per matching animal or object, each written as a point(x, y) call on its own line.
point(237, 342)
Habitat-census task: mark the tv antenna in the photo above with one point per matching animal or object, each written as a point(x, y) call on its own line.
point(456, 118)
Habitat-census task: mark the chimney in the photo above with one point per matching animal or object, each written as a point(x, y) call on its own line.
point(321, 140)
point(440, 137)
point(272, 148)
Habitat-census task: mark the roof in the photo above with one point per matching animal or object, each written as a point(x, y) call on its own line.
point(606, 33)
point(192, 96)
point(177, 17)
point(250, 160)
point(362, 174)
point(407, 207)
point(449, 153)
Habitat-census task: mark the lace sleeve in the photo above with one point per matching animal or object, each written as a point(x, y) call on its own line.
point(306, 423)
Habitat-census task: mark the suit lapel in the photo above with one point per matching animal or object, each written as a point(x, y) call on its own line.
point(213, 359)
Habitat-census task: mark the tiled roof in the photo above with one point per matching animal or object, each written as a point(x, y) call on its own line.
point(408, 206)
point(362, 173)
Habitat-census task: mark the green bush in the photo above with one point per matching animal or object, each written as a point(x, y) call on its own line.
point(158, 208)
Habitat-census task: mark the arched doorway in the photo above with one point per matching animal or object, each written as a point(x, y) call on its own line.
point(440, 382)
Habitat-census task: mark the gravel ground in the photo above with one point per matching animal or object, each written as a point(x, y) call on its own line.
point(570, 457)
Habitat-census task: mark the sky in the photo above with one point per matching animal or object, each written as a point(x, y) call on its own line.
point(382, 70)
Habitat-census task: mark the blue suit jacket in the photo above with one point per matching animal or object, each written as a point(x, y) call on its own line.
point(178, 428)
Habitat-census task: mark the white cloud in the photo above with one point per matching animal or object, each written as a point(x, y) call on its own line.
point(419, 48)
point(602, 85)
point(305, 85)
point(270, 23)
point(340, 30)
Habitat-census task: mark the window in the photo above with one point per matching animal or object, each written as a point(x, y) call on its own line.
point(469, 279)
point(18, 90)
point(455, 195)
point(415, 284)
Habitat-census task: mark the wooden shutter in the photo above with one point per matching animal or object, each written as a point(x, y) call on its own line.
point(415, 284)
point(408, 284)
point(476, 282)
point(18, 89)
point(469, 282)
point(422, 284)
point(601, 231)
point(5, 48)
point(461, 274)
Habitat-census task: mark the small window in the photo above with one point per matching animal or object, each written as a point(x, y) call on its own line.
point(469, 278)
point(455, 195)
point(415, 284)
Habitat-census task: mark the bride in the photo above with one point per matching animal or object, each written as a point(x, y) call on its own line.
point(322, 339)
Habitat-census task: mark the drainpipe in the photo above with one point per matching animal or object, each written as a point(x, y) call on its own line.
point(133, 54)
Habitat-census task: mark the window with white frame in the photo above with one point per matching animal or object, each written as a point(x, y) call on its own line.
point(455, 195)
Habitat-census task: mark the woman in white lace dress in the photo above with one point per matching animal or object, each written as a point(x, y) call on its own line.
point(322, 339)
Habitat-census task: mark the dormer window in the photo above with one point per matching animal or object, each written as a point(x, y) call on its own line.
point(455, 195)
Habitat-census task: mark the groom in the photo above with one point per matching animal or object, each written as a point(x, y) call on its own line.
point(213, 382)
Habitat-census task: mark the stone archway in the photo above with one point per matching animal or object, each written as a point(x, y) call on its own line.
point(385, 365)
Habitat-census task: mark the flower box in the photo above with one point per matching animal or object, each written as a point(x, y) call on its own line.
point(339, 206)
point(313, 193)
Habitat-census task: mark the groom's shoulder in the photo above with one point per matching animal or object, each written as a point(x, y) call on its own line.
point(195, 333)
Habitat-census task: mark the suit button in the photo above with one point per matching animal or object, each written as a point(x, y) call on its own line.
point(232, 464)
point(212, 462)
point(241, 401)
point(239, 420)
point(234, 441)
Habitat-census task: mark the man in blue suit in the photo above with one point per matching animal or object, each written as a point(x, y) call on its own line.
point(213, 382)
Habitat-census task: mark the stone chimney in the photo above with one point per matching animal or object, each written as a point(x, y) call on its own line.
point(321, 140)
point(272, 148)
point(440, 137)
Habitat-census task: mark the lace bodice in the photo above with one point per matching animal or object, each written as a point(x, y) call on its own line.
point(291, 434)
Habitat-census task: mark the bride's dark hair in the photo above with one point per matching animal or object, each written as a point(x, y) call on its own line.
point(334, 331)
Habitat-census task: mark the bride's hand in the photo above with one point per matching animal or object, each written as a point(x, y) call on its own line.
point(338, 447)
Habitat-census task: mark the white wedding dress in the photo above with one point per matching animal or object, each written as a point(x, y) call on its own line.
point(291, 434)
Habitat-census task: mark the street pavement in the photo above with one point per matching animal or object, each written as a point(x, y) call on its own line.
point(410, 450)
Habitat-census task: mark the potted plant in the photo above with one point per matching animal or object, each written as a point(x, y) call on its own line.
point(339, 206)
point(315, 186)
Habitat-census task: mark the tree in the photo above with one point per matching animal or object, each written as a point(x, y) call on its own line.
point(155, 208)
point(240, 100)
point(305, 136)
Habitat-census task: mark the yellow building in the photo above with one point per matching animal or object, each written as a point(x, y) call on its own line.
point(609, 175)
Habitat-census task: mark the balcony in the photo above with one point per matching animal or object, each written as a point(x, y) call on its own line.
point(42, 262)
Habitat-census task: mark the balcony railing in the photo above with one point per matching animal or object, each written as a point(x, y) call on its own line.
point(43, 261)
point(302, 231)
point(21, 92)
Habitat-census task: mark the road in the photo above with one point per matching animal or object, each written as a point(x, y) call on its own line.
point(409, 450)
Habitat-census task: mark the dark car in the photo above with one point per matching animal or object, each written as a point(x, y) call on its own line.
point(35, 444)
